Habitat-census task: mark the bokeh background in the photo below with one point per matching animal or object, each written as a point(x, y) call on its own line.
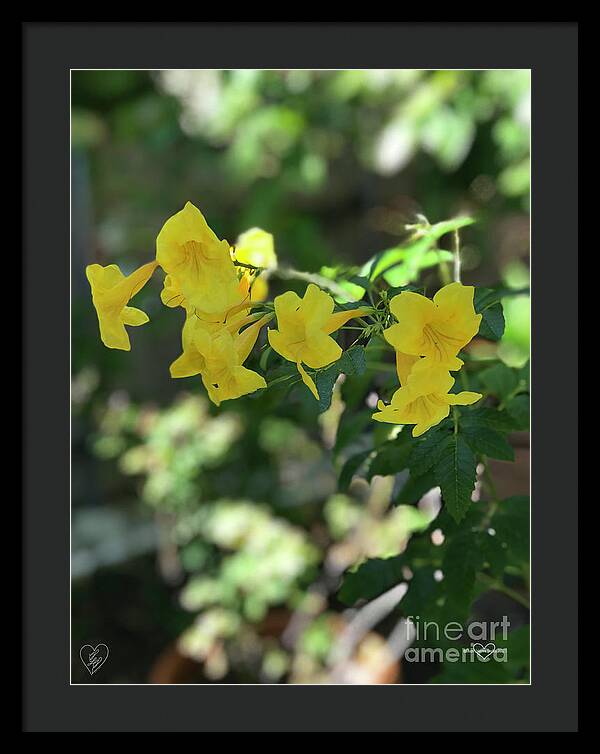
point(204, 533)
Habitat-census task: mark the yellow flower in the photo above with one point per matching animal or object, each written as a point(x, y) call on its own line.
point(256, 247)
point(424, 400)
point(304, 329)
point(210, 321)
point(437, 329)
point(404, 364)
point(200, 272)
point(218, 357)
point(111, 292)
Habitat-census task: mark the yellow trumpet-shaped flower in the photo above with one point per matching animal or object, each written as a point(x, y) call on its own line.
point(111, 292)
point(437, 329)
point(424, 400)
point(218, 357)
point(211, 321)
point(256, 247)
point(404, 364)
point(200, 272)
point(304, 330)
point(194, 340)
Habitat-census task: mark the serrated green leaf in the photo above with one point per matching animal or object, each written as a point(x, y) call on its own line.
point(511, 523)
point(493, 552)
point(487, 303)
point(352, 361)
point(489, 417)
point(485, 440)
point(426, 449)
point(454, 472)
point(462, 559)
point(490, 443)
point(370, 579)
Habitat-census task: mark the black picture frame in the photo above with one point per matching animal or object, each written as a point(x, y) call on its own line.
point(50, 51)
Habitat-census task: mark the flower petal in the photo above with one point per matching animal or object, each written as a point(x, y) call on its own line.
point(247, 338)
point(466, 398)
point(188, 364)
point(320, 350)
point(286, 306)
point(317, 307)
point(428, 377)
point(113, 333)
point(199, 264)
point(339, 319)
point(134, 317)
point(308, 380)
point(233, 384)
point(404, 365)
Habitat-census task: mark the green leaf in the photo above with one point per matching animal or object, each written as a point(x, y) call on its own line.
point(462, 559)
point(426, 449)
point(371, 579)
point(351, 425)
point(407, 268)
point(350, 468)
point(490, 443)
point(518, 409)
point(487, 303)
point(438, 230)
point(389, 259)
point(484, 439)
point(493, 552)
point(422, 595)
point(391, 457)
point(352, 361)
point(455, 473)
point(499, 380)
point(511, 523)
point(396, 290)
point(401, 264)
point(415, 487)
point(489, 417)
point(524, 373)
point(473, 673)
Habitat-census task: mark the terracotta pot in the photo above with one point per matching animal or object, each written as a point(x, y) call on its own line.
point(173, 667)
point(371, 663)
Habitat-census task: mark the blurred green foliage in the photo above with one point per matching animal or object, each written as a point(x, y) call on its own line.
point(336, 164)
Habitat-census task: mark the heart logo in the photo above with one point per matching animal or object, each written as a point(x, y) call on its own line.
point(93, 657)
point(484, 652)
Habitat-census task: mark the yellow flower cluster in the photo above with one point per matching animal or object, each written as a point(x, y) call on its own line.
point(305, 328)
point(217, 287)
point(427, 338)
